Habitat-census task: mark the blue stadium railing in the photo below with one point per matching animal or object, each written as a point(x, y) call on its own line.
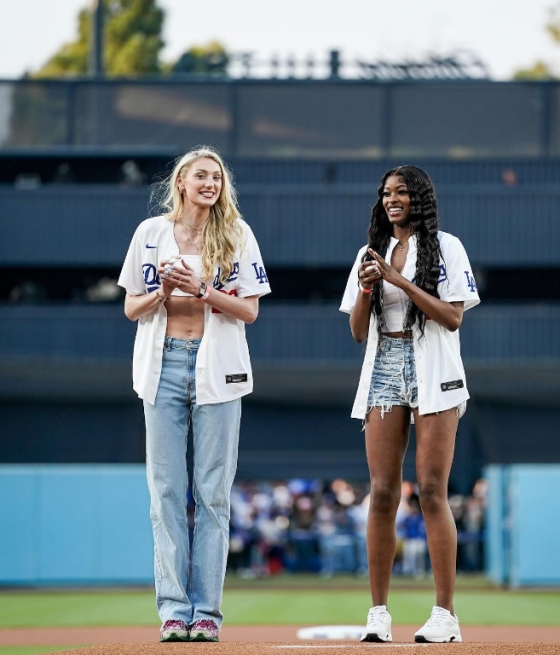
point(296, 225)
point(285, 332)
point(286, 118)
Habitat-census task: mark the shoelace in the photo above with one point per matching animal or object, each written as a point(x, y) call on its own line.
point(174, 624)
point(205, 624)
point(377, 618)
point(436, 620)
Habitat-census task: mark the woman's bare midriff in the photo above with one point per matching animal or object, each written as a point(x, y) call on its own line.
point(398, 335)
point(185, 317)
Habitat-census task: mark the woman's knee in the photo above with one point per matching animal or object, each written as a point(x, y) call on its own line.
point(433, 496)
point(385, 499)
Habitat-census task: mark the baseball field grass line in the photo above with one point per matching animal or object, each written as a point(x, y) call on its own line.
point(253, 606)
point(347, 581)
point(34, 650)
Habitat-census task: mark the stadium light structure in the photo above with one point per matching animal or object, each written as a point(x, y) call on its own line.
point(96, 68)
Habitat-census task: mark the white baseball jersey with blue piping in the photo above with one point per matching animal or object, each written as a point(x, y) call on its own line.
point(223, 366)
point(437, 353)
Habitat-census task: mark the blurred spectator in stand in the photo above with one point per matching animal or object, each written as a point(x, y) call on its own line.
point(275, 534)
point(414, 543)
point(473, 521)
point(345, 559)
point(304, 525)
point(326, 531)
point(27, 181)
point(509, 177)
point(359, 514)
point(243, 534)
point(131, 174)
point(237, 555)
point(407, 489)
point(63, 174)
point(302, 536)
point(104, 290)
point(282, 498)
point(28, 292)
point(457, 505)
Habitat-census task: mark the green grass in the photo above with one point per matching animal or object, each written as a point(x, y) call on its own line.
point(282, 601)
point(66, 608)
point(407, 607)
point(314, 581)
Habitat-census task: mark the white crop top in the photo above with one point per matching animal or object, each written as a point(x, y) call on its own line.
point(195, 262)
point(395, 303)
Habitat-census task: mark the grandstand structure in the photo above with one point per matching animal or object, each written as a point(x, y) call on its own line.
point(77, 158)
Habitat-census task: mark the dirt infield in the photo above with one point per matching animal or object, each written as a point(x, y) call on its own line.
point(334, 648)
point(282, 640)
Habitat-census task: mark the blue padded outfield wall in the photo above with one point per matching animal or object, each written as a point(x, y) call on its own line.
point(523, 533)
point(89, 524)
point(75, 525)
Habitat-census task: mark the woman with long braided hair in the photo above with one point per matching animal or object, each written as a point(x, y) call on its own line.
point(406, 295)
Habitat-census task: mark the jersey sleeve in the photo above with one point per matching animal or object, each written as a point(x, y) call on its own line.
point(253, 280)
point(351, 292)
point(132, 274)
point(457, 281)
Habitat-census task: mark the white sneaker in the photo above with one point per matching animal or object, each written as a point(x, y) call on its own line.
point(378, 626)
point(441, 627)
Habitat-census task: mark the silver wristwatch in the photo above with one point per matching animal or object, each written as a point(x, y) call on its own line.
point(203, 293)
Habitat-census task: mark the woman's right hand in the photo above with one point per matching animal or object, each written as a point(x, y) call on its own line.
point(369, 274)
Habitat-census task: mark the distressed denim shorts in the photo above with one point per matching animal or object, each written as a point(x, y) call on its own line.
point(393, 381)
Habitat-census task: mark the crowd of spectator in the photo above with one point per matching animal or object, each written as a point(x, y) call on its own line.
point(314, 526)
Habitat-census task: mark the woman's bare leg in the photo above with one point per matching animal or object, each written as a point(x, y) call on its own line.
point(386, 443)
point(435, 439)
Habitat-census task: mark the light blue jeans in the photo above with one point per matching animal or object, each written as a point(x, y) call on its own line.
point(189, 581)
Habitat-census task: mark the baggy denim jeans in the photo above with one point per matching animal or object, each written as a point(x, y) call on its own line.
point(189, 582)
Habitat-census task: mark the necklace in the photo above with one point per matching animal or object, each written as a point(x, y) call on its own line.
point(401, 246)
point(195, 239)
point(191, 227)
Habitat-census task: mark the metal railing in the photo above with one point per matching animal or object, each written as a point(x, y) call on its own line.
point(283, 118)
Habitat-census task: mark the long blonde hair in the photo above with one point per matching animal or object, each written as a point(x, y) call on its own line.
point(222, 231)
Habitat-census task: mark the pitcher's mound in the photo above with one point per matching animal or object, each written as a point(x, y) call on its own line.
point(319, 647)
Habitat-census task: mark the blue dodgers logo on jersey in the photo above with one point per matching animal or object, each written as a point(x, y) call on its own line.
point(470, 281)
point(151, 278)
point(260, 273)
point(234, 275)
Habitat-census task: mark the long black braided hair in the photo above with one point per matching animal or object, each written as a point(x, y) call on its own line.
point(424, 222)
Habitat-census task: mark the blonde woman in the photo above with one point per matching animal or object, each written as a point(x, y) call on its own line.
point(193, 278)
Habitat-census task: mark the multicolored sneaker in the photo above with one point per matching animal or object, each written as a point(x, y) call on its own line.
point(204, 630)
point(378, 626)
point(174, 630)
point(441, 627)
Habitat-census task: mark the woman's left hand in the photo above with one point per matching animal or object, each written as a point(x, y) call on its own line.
point(387, 272)
point(179, 275)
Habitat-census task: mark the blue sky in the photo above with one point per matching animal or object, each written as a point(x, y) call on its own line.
point(506, 34)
